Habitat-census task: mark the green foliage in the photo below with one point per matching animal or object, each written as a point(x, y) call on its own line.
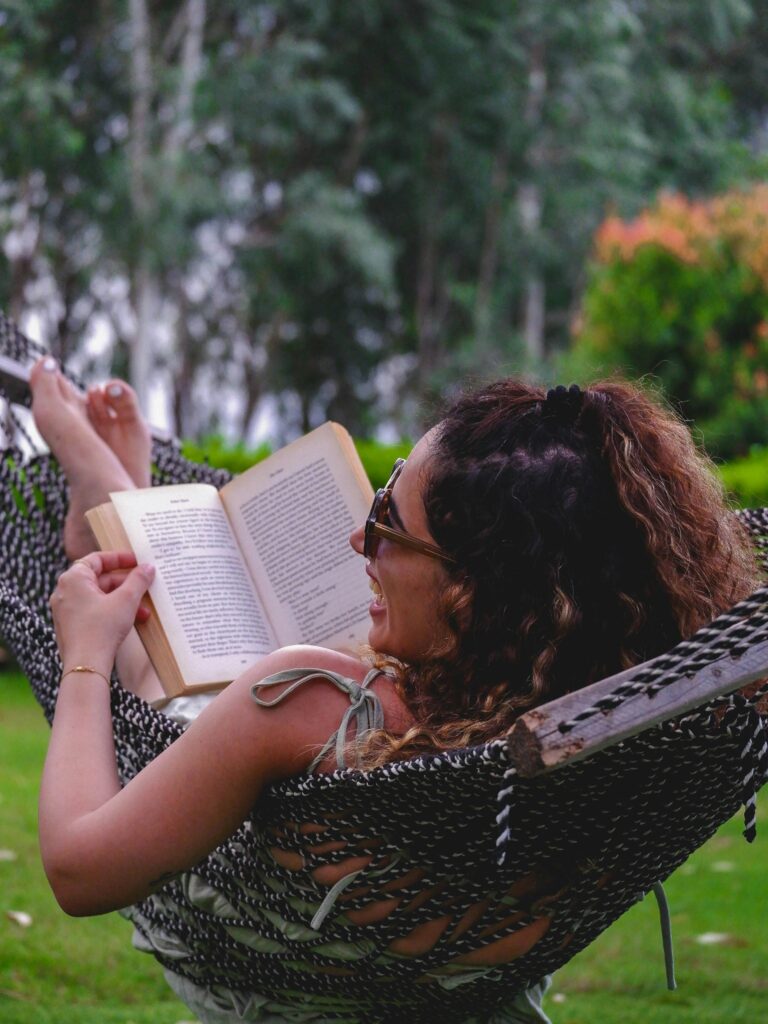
point(747, 479)
point(328, 285)
point(345, 206)
point(377, 458)
point(681, 293)
point(216, 451)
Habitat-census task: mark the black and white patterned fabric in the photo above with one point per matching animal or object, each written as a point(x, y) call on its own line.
point(462, 852)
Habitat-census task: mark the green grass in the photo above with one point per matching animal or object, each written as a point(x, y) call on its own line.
point(60, 970)
point(67, 971)
point(621, 976)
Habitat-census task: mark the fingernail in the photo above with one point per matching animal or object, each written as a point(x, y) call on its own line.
point(49, 364)
point(147, 569)
point(115, 390)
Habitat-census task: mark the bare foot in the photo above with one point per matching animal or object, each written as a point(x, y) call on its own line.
point(113, 410)
point(91, 467)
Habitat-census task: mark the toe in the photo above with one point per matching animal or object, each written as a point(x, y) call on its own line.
point(47, 384)
point(98, 410)
point(121, 398)
point(43, 375)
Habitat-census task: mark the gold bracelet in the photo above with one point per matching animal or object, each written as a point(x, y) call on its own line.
point(85, 668)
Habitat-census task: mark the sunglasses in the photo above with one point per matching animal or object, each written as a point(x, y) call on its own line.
point(375, 529)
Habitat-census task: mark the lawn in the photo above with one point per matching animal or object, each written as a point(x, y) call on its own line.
point(64, 971)
point(58, 970)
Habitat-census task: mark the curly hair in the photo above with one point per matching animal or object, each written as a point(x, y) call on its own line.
point(588, 534)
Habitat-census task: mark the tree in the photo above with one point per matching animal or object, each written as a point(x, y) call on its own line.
point(498, 133)
point(339, 209)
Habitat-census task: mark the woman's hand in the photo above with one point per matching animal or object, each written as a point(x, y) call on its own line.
point(94, 605)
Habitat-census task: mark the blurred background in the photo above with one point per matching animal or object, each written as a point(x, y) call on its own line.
point(269, 214)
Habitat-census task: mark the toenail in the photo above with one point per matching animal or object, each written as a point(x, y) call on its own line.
point(115, 390)
point(49, 364)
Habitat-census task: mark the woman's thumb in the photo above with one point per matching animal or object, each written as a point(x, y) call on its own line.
point(139, 579)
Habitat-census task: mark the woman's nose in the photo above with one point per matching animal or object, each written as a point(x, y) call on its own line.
point(357, 539)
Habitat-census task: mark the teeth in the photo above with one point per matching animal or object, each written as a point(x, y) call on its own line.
point(376, 590)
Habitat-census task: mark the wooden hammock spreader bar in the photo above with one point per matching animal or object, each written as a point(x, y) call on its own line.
point(536, 743)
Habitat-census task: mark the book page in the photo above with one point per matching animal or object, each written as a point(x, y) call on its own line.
point(292, 520)
point(202, 591)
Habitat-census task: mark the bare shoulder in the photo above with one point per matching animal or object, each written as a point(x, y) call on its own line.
point(309, 657)
point(287, 735)
point(397, 718)
point(281, 739)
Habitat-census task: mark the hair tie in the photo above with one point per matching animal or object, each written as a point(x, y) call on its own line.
point(564, 403)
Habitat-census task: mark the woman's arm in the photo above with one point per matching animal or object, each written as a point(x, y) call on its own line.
point(104, 847)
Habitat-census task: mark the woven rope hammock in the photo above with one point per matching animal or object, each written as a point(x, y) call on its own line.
point(463, 853)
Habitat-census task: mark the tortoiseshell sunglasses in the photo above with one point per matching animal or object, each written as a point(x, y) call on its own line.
point(374, 530)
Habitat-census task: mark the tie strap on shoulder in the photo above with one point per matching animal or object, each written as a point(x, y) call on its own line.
point(364, 709)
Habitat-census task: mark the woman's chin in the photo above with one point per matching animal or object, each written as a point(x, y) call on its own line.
point(393, 642)
point(378, 637)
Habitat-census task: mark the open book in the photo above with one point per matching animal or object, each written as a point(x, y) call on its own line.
point(262, 563)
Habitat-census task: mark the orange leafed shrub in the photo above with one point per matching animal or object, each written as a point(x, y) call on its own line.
point(695, 231)
point(681, 292)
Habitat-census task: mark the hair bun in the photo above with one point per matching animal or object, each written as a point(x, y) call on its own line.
point(564, 403)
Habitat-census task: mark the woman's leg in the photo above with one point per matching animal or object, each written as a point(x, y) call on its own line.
point(90, 466)
point(92, 469)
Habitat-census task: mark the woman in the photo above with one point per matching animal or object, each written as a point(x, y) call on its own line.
point(531, 544)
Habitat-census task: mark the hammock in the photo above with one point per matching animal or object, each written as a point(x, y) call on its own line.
point(463, 852)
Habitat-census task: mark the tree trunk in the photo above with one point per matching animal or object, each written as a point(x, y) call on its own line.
point(529, 207)
point(529, 203)
point(190, 71)
point(489, 252)
point(25, 250)
point(189, 30)
point(430, 298)
point(21, 275)
point(183, 375)
point(143, 288)
point(306, 422)
point(61, 344)
point(351, 158)
point(253, 373)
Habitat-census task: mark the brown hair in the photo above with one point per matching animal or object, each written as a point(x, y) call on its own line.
point(589, 534)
